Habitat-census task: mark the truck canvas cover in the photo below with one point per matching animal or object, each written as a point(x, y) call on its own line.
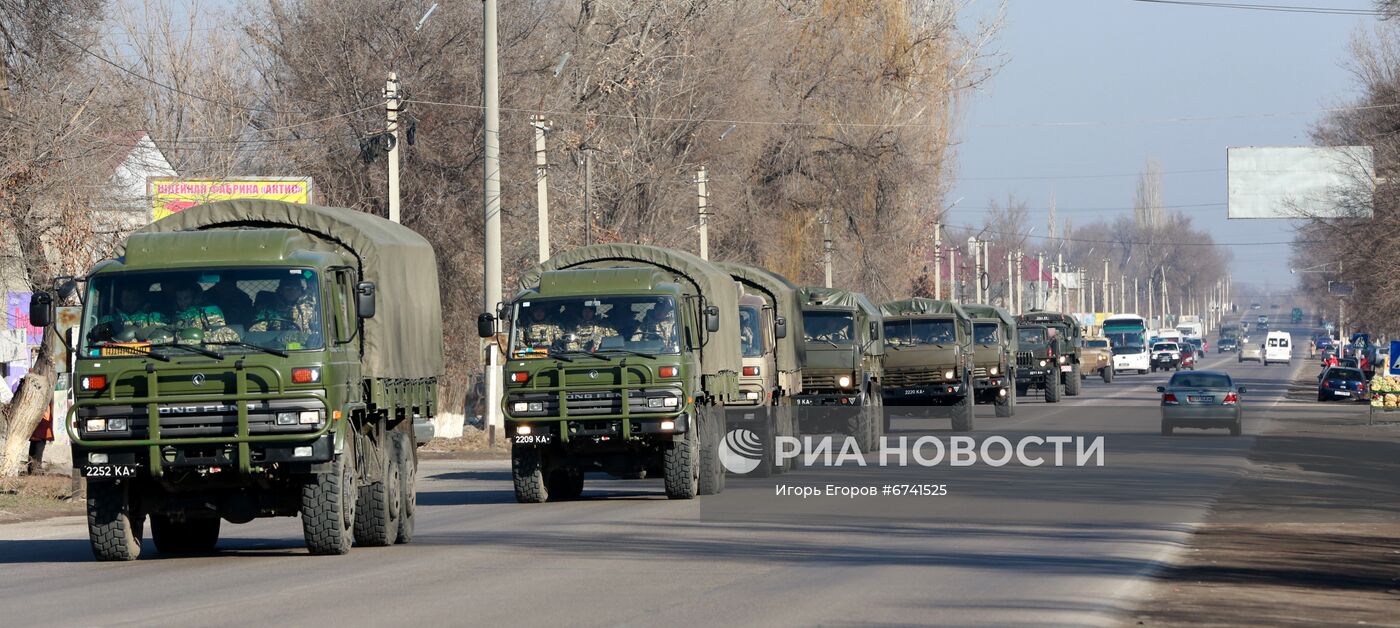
point(918, 306)
point(865, 311)
point(991, 312)
point(722, 352)
point(786, 302)
point(404, 339)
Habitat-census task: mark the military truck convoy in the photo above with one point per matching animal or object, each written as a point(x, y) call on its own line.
point(247, 359)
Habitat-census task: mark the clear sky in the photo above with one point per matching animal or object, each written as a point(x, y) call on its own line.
point(1126, 66)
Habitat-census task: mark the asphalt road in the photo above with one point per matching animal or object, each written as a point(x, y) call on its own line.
point(1020, 546)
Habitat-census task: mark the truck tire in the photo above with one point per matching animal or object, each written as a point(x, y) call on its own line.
point(1005, 406)
point(1054, 388)
point(328, 508)
point(114, 524)
point(377, 516)
point(1107, 374)
point(189, 536)
point(679, 466)
point(962, 414)
point(1072, 385)
point(787, 426)
point(766, 462)
point(565, 484)
point(861, 426)
point(712, 432)
point(406, 457)
point(527, 474)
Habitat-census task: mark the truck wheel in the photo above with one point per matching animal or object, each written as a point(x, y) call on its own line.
point(115, 526)
point(527, 473)
point(765, 466)
point(712, 432)
point(1107, 374)
point(962, 414)
point(1054, 388)
point(1005, 405)
point(377, 517)
point(861, 426)
point(679, 467)
point(1072, 385)
point(190, 536)
point(1022, 390)
point(787, 426)
point(328, 508)
point(406, 457)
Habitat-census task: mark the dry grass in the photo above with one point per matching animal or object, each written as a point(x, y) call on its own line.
point(31, 497)
point(471, 445)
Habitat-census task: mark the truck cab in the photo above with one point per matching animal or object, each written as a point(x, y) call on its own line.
point(1060, 345)
point(994, 357)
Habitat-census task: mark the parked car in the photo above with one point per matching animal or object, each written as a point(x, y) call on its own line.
point(1340, 382)
point(1166, 356)
point(1250, 352)
point(1202, 400)
point(1227, 344)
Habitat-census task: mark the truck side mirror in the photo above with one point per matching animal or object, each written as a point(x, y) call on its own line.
point(364, 299)
point(486, 325)
point(874, 330)
point(41, 309)
point(66, 286)
point(780, 327)
point(712, 319)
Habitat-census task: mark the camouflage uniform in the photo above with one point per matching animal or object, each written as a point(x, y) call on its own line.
point(542, 334)
point(209, 319)
point(589, 335)
point(662, 328)
point(299, 316)
point(119, 320)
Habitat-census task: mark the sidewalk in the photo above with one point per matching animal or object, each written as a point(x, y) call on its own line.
point(1309, 536)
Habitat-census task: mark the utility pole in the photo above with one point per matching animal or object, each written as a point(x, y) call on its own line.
point(391, 109)
point(1040, 288)
point(1137, 293)
point(702, 205)
point(1106, 304)
point(974, 250)
point(826, 247)
point(954, 293)
point(587, 196)
point(1059, 285)
point(1010, 300)
point(937, 260)
point(1020, 286)
point(491, 168)
point(542, 184)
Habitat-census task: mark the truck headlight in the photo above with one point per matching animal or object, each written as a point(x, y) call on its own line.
point(309, 417)
point(1042, 362)
point(655, 402)
point(286, 418)
point(1062, 359)
point(537, 406)
point(993, 370)
point(95, 425)
point(844, 381)
point(948, 374)
point(672, 402)
point(116, 425)
point(520, 406)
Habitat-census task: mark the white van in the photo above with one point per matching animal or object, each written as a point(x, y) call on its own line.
point(1278, 347)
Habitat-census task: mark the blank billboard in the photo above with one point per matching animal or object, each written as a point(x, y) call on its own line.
point(1300, 181)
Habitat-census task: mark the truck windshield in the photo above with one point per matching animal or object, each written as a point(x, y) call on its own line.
point(750, 332)
point(986, 333)
point(920, 331)
point(273, 308)
point(828, 327)
point(1031, 335)
point(644, 324)
point(1124, 339)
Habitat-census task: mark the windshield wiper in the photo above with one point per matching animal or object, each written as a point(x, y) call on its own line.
point(629, 351)
point(142, 350)
point(240, 343)
point(202, 351)
point(596, 356)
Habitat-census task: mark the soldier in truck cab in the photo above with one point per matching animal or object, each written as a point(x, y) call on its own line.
point(658, 324)
point(589, 331)
point(131, 314)
point(291, 309)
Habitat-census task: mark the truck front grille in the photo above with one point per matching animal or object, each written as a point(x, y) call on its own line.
point(1025, 358)
point(918, 377)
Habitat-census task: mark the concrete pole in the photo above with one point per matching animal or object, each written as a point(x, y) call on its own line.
point(1059, 285)
point(1020, 285)
point(391, 109)
point(587, 196)
point(702, 206)
point(974, 249)
point(826, 247)
point(1107, 304)
point(937, 261)
point(1137, 309)
point(491, 167)
point(1010, 298)
point(542, 184)
point(1037, 300)
point(953, 292)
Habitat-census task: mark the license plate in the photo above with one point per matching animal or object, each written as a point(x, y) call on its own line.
point(1066, 368)
point(1342, 393)
point(1164, 359)
point(806, 402)
point(110, 471)
point(534, 439)
point(1200, 398)
point(915, 391)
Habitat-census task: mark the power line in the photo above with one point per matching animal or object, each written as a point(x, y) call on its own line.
point(1277, 8)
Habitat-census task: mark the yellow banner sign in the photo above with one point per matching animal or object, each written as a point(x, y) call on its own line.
point(169, 196)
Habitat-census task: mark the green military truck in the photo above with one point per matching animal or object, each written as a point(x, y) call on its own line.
point(621, 359)
point(841, 379)
point(994, 357)
point(770, 318)
point(247, 359)
point(929, 360)
point(1048, 355)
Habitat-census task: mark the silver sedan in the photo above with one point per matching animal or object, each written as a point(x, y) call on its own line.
point(1201, 400)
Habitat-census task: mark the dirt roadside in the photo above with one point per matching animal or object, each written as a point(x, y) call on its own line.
point(1308, 536)
point(34, 497)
